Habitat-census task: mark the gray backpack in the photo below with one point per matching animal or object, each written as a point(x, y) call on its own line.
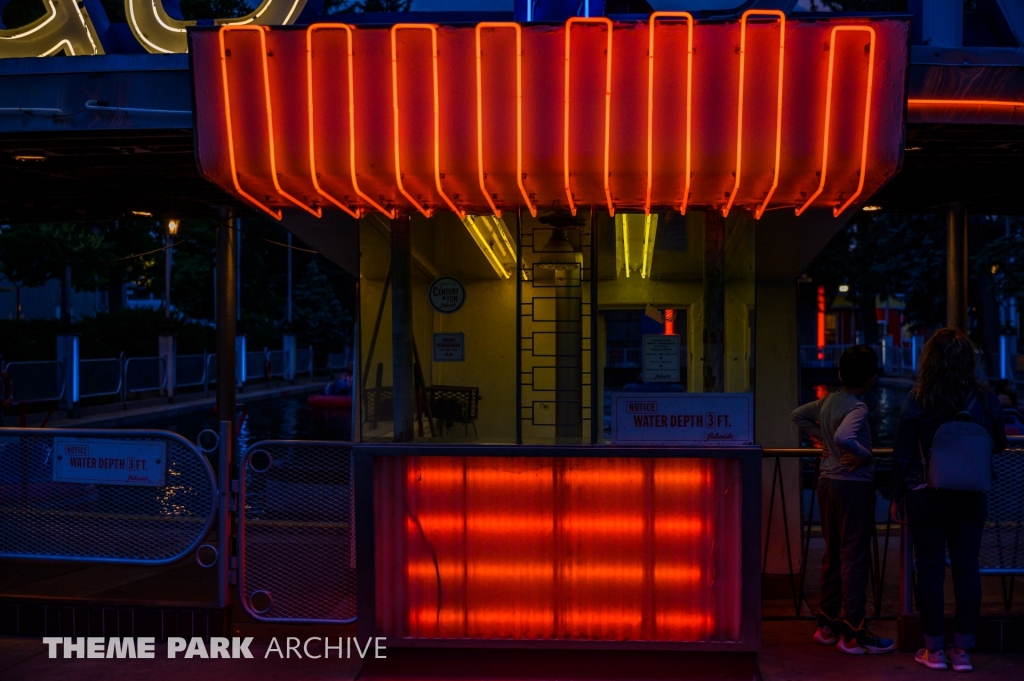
point(961, 456)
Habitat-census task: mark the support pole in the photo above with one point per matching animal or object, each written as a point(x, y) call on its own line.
point(956, 267)
point(714, 302)
point(403, 376)
point(227, 295)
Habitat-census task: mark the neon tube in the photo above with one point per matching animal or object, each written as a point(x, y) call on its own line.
point(544, 571)
point(309, 109)
point(650, 104)
point(607, 106)
point(828, 117)
point(270, 117)
point(625, 241)
point(276, 214)
point(645, 268)
point(437, 132)
point(739, 113)
point(470, 222)
point(962, 102)
point(519, 113)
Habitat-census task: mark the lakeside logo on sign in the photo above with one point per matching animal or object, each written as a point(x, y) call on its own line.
point(109, 462)
point(447, 294)
point(697, 419)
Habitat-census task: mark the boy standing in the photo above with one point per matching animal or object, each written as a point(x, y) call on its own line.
point(846, 503)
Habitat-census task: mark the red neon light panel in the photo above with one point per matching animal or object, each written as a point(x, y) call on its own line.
point(668, 113)
point(558, 548)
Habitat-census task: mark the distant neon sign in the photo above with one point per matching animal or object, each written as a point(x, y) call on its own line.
point(67, 29)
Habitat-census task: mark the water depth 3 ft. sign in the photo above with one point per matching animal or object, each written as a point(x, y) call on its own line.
point(696, 419)
point(109, 462)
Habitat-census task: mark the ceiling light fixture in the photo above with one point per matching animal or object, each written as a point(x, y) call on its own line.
point(29, 157)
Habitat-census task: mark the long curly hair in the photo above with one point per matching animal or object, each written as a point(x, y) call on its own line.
point(946, 375)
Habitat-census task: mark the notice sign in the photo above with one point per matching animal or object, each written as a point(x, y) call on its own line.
point(661, 358)
point(447, 294)
point(449, 347)
point(109, 462)
point(694, 419)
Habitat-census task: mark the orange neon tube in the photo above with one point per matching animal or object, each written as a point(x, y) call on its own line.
point(351, 122)
point(276, 214)
point(607, 107)
point(962, 102)
point(519, 113)
point(437, 125)
point(262, 31)
point(309, 107)
point(828, 116)
point(545, 571)
point(650, 103)
point(739, 113)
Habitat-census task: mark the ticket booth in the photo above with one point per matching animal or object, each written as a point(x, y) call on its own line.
point(558, 231)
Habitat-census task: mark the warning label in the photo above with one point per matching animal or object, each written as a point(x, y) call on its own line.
point(698, 419)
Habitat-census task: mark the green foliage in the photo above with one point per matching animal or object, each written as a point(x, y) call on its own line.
point(190, 9)
point(319, 318)
point(31, 255)
point(1006, 255)
point(859, 5)
point(133, 332)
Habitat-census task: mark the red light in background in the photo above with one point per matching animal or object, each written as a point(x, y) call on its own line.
point(821, 322)
point(670, 322)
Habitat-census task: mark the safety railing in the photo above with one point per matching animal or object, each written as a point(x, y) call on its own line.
point(295, 532)
point(278, 362)
point(189, 371)
point(304, 361)
point(1002, 547)
point(143, 374)
point(100, 377)
point(211, 370)
point(114, 496)
point(338, 361)
point(255, 365)
point(34, 381)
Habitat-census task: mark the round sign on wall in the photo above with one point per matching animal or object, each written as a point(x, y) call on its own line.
point(447, 294)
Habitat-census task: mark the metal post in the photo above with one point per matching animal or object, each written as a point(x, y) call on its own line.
point(956, 267)
point(403, 377)
point(167, 275)
point(714, 302)
point(227, 296)
point(519, 325)
point(289, 306)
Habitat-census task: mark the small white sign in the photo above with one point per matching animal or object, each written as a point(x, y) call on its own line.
point(661, 358)
point(693, 419)
point(109, 462)
point(449, 347)
point(447, 294)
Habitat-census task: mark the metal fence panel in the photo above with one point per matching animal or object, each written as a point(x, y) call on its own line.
point(337, 361)
point(189, 370)
point(304, 361)
point(36, 381)
point(296, 540)
point(278, 362)
point(1002, 543)
point(145, 373)
point(254, 365)
point(211, 369)
point(99, 377)
point(50, 520)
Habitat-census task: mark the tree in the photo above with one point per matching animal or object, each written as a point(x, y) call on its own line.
point(348, 6)
point(319, 318)
point(31, 255)
point(124, 241)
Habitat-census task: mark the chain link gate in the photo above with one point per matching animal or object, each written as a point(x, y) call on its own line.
point(78, 521)
point(1002, 543)
point(296, 539)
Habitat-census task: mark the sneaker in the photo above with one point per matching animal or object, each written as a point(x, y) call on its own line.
point(933, 659)
point(858, 641)
point(960, 659)
point(825, 634)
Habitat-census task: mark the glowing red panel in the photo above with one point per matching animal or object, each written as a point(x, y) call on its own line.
point(663, 114)
point(558, 548)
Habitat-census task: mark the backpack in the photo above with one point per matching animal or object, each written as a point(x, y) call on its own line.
point(961, 455)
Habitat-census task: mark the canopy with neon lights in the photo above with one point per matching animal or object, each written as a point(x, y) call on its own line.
point(668, 114)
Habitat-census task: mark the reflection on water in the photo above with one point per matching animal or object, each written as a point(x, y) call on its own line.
point(286, 418)
point(884, 404)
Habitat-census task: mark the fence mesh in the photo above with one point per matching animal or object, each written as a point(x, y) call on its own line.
point(297, 543)
point(125, 524)
point(1002, 544)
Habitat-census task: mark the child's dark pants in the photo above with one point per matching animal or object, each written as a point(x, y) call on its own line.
point(847, 509)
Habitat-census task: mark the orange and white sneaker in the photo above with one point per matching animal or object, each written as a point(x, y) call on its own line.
point(933, 659)
point(827, 629)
